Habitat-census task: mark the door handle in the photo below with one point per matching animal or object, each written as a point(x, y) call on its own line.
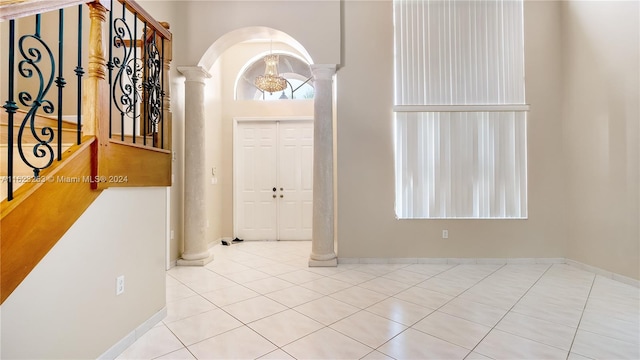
point(274, 189)
point(281, 196)
point(274, 196)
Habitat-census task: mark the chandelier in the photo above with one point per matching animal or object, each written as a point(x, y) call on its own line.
point(271, 81)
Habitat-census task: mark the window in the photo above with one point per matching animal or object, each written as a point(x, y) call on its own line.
point(295, 71)
point(460, 112)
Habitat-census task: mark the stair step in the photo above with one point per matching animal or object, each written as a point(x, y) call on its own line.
point(69, 128)
point(19, 167)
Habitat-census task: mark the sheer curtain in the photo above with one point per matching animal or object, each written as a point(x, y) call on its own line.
point(460, 114)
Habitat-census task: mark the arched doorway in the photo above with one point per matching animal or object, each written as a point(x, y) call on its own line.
point(323, 240)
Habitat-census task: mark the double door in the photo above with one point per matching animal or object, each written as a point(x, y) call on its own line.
point(274, 180)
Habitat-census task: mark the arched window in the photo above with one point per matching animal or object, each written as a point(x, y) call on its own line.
point(292, 68)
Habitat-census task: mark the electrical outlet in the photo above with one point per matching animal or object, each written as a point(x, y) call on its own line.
point(119, 284)
point(445, 234)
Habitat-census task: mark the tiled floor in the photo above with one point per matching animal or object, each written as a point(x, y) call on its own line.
point(260, 300)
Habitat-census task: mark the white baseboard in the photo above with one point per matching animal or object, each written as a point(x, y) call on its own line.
point(604, 273)
point(494, 261)
point(134, 335)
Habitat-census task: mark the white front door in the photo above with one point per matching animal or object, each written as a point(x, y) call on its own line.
point(274, 180)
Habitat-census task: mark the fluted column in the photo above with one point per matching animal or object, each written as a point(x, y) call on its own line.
point(196, 252)
point(322, 249)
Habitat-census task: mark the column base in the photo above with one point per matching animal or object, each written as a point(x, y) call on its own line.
point(323, 263)
point(195, 262)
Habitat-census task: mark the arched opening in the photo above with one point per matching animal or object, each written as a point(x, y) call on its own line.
point(235, 110)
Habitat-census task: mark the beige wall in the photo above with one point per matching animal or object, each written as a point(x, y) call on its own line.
point(601, 133)
point(565, 64)
point(365, 151)
point(67, 308)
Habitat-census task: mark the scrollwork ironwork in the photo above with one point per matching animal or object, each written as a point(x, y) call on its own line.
point(34, 63)
point(126, 90)
point(153, 84)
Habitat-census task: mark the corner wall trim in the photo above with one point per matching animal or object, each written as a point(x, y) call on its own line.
point(134, 335)
point(497, 261)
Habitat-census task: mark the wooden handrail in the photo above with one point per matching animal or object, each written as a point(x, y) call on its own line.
point(143, 15)
point(13, 9)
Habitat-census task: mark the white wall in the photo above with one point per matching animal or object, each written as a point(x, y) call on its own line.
point(66, 308)
point(601, 132)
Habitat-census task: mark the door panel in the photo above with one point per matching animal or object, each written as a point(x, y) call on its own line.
point(295, 178)
point(257, 155)
point(280, 155)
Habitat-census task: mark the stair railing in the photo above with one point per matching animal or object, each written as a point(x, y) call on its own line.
point(35, 85)
point(123, 94)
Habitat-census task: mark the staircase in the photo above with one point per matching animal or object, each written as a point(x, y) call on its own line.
point(57, 168)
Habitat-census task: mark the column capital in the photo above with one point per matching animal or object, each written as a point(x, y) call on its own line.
point(323, 71)
point(194, 73)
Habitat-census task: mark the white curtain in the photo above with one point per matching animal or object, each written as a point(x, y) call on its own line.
point(468, 163)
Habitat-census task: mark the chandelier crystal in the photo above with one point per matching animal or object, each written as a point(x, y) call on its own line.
point(271, 81)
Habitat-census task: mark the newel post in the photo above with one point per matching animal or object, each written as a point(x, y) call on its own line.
point(96, 95)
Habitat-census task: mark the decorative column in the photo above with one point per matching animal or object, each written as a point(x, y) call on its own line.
point(322, 249)
point(196, 252)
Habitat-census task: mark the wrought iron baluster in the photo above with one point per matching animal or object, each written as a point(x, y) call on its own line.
point(27, 67)
point(145, 95)
point(162, 93)
point(79, 72)
point(134, 78)
point(11, 107)
point(153, 86)
point(110, 66)
point(60, 82)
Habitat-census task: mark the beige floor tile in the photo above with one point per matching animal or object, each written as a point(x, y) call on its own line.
point(326, 285)
point(294, 296)
point(472, 311)
point(246, 276)
point(501, 345)
point(353, 277)
point(385, 286)
point(376, 355)
point(452, 329)
point(327, 344)
point(602, 347)
point(300, 276)
point(182, 354)
point(240, 343)
point(229, 295)
point(267, 285)
point(400, 311)
point(183, 308)
point(254, 309)
point(369, 329)
point(414, 344)
point(407, 277)
point(424, 297)
point(359, 297)
point(543, 331)
point(326, 310)
point(277, 355)
point(199, 327)
point(285, 327)
point(156, 342)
